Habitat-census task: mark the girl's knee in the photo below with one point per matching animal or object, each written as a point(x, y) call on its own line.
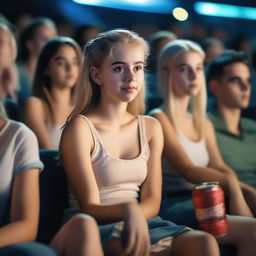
point(197, 243)
point(82, 222)
point(203, 239)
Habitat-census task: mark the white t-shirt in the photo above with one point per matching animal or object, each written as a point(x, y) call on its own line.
point(19, 152)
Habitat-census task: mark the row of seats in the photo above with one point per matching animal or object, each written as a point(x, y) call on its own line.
point(53, 195)
point(54, 198)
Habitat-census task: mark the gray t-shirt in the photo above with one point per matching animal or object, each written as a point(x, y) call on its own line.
point(19, 152)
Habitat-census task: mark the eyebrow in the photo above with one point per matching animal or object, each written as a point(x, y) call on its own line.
point(62, 58)
point(123, 63)
point(185, 64)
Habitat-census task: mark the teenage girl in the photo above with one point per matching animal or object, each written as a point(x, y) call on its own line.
point(191, 155)
point(112, 154)
point(19, 201)
point(54, 90)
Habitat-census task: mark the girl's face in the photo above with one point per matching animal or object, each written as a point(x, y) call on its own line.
point(121, 76)
point(188, 74)
point(42, 35)
point(7, 49)
point(63, 68)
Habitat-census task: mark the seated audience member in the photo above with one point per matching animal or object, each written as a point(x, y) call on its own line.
point(31, 40)
point(191, 155)
point(85, 33)
point(19, 200)
point(8, 53)
point(212, 47)
point(8, 73)
point(228, 78)
point(54, 90)
point(156, 42)
point(114, 177)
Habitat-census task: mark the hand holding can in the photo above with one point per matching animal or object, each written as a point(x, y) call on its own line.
point(209, 204)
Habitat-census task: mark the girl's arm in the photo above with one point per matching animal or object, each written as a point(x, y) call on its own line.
point(216, 171)
point(34, 117)
point(151, 189)
point(76, 146)
point(24, 210)
point(237, 202)
point(178, 158)
point(239, 193)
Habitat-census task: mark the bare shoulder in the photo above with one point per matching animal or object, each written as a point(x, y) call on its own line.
point(165, 121)
point(33, 101)
point(156, 112)
point(151, 121)
point(77, 126)
point(159, 114)
point(34, 107)
point(152, 126)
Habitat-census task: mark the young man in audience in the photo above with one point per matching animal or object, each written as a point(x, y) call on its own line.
point(228, 78)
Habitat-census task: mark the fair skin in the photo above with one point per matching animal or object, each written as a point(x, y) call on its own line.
point(187, 78)
point(34, 46)
point(63, 71)
point(24, 208)
point(232, 92)
point(121, 78)
point(8, 76)
point(24, 215)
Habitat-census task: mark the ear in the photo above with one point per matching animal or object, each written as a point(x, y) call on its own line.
point(95, 75)
point(214, 87)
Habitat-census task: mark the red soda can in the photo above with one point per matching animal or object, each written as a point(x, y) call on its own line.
point(209, 204)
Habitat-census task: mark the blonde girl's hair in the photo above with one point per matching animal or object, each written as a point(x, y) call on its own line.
point(13, 43)
point(3, 114)
point(166, 62)
point(95, 53)
point(41, 85)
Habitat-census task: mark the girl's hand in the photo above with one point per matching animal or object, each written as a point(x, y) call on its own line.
point(135, 236)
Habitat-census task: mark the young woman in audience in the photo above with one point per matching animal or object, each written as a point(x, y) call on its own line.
point(8, 52)
point(31, 40)
point(191, 155)
point(19, 200)
point(54, 90)
point(112, 154)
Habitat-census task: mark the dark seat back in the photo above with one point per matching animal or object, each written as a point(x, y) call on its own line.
point(53, 195)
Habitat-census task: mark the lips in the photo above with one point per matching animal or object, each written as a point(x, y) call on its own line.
point(128, 89)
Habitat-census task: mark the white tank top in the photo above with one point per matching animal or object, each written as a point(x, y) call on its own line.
point(197, 153)
point(118, 180)
point(54, 132)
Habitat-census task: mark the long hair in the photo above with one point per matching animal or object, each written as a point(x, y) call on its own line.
point(166, 62)
point(41, 86)
point(95, 53)
point(4, 26)
point(3, 114)
point(29, 32)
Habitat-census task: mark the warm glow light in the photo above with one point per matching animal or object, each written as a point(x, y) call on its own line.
point(180, 13)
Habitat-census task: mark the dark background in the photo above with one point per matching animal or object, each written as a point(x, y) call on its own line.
point(67, 11)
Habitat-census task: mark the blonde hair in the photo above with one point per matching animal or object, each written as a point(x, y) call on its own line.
point(3, 114)
point(166, 62)
point(6, 28)
point(95, 53)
